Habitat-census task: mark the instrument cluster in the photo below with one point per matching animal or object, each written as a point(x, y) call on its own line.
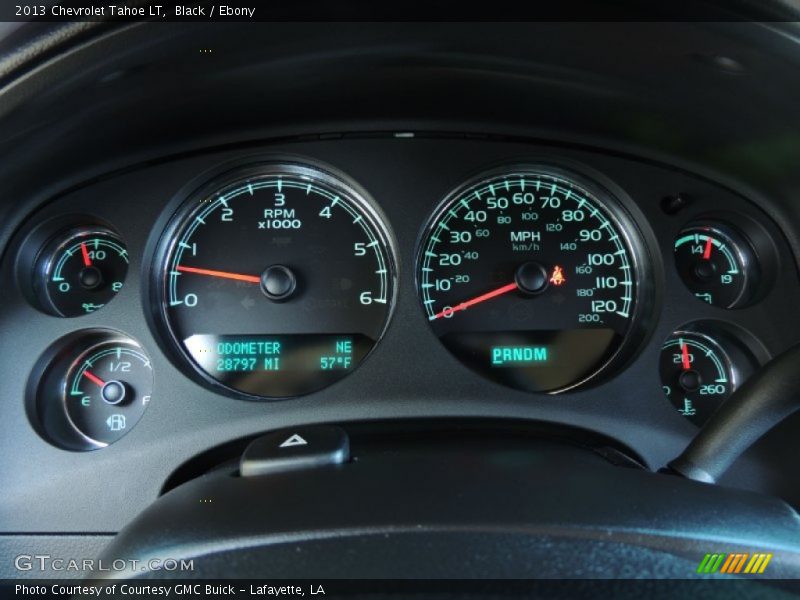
point(267, 278)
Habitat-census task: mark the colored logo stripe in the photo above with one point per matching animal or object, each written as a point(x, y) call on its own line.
point(734, 563)
point(758, 563)
point(710, 563)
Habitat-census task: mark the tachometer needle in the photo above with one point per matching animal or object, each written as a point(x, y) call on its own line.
point(94, 378)
point(87, 262)
point(222, 274)
point(707, 249)
point(477, 300)
point(685, 361)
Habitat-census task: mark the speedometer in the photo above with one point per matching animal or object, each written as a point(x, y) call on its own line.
point(530, 276)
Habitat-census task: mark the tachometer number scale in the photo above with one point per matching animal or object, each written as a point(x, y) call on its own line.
point(279, 283)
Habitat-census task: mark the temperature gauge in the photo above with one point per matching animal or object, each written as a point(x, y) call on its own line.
point(717, 264)
point(80, 270)
point(93, 390)
point(699, 371)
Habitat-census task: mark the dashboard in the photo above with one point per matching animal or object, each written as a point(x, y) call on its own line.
point(209, 232)
point(169, 307)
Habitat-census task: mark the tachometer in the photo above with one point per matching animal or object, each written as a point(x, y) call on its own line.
point(277, 281)
point(530, 277)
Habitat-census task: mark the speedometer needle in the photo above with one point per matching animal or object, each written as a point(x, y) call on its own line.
point(477, 300)
point(222, 274)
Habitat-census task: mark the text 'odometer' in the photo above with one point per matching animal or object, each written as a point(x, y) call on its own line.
point(278, 281)
point(529, 277)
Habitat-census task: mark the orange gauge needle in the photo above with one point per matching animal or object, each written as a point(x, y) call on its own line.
point(685, 357)
point(477, 300)
point(707, 249)
point(94, 378)
point(87, 262)
point(222, 274)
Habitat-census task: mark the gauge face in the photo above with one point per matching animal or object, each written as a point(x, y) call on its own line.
point(107, 389)
point(80, 271)
point(697, 374)
point(529, 278)
point(716, 264)
point(90, 388)
point(277, 281)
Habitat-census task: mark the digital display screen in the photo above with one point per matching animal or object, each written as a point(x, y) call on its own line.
point(287, 365)
point(539, 361)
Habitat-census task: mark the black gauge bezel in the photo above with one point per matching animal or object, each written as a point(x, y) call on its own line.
point(730, 366)
point(744, 252)
point(236, 174)
point(46, 388)
point(743, 351)
point(45, 262)
point(119, 340)
point(616, 205)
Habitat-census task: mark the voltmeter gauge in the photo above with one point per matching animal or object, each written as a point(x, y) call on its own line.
point(80, 270)
point(717, 264)
point(93, 389)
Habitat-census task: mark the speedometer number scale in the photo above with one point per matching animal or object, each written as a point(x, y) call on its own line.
point(529, 278)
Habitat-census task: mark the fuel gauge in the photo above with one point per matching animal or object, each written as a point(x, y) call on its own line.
point(107, 388)
point(90, 389)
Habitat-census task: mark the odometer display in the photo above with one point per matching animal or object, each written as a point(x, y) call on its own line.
point(277, 281)
point(529, 278)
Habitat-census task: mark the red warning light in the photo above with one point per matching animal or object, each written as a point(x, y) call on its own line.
point(557, 278)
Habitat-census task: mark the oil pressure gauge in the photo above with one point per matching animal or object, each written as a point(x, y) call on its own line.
point(80, 270)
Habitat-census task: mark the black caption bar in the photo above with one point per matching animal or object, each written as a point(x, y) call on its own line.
point(407, 10)
point(380, 588)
